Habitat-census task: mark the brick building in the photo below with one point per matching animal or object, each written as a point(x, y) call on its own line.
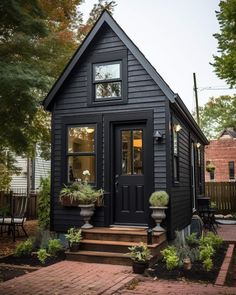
point(221, 154)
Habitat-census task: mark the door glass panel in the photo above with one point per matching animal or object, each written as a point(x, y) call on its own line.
point(126, 152)
point(76, 166)
point(132, 151)
point(137, 151)
point(81, 139)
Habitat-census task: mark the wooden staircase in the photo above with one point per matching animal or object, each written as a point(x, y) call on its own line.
point(110, 245)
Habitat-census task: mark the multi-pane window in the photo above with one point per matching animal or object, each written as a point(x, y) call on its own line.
point(175, 154)
point(231, 170)
point(81, 152)
point(107, 80)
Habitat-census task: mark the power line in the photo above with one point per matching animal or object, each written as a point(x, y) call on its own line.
point(215, 88)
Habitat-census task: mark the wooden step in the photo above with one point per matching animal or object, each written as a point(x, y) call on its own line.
point(110, 234)
point(110, 246)
point(99, 257)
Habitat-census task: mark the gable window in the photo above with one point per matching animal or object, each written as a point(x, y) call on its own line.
point(107, 80)
point(81, 152)
point(175, 134)
point(231, 170)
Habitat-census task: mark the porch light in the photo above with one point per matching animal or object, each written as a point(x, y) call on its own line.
point(177, 127)
point(157, 135)
point(198, 145)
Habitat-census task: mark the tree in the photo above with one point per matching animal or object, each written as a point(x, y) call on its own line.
point(217, 114)
point(37, 38)
point(225, 63)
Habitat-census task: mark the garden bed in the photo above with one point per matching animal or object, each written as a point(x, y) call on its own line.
point(231, 277)
point(196, 273)
point(12, 266)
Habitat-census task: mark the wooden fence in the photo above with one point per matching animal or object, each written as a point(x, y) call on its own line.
point(6, 202)
point(223, 194)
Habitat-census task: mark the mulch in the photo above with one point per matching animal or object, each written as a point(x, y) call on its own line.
point(197, 272)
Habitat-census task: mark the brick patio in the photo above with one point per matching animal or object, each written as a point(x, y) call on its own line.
point(227, 232)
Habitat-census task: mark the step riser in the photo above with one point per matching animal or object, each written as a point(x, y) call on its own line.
point(104, 248)
point(122, 237)
point(97, 259)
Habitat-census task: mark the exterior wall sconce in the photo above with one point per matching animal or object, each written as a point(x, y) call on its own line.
point(157, 136)
point(177, 127)
point(198, 145)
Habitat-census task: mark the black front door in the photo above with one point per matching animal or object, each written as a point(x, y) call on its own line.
point(130, 196)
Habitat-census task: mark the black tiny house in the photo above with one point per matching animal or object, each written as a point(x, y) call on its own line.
point(113, 114)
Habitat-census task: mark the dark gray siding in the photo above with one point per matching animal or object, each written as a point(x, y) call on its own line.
point(181, 192)
point(143, 93)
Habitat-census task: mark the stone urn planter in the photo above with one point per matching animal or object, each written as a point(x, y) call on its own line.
point(87, 211)
point(158, 214)
point(158, 201)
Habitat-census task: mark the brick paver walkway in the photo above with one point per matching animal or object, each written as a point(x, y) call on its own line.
point(69, 277)
point(227, 232)
point(162, 287)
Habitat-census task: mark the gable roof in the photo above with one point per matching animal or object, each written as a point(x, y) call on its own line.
point(229, 131)
point(109, 20)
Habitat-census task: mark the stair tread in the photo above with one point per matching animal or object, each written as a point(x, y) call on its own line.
point(115, 243)
point(98, 253)
point(106, 230)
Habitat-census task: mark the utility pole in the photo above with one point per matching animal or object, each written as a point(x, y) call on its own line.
point(196, 97)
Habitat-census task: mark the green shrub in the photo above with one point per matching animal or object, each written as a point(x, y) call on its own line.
point(192, 240)
point(44, 203)
point(73, 235)
point(212, 240)
point(207, 264)
point(24, 248)
point(140, 253)
point(170, 257)
point(206, 251)
point(54, 246)
point(42, 255)
point(159, 199)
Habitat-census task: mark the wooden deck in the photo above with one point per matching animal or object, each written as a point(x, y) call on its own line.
point(110, 245)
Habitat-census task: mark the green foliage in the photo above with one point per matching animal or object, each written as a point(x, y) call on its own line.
point(24, 248)
point(218, 114)
point(207, 264)
point(84, 193)
point(212, 240)
point(140, 253)
point(210, 167)
point(206, 251)
point(42, 255)
point(7, 168)
point(73, 235)
point(192, 240)
point(44, 203)
point(54, 246)
point(37, 40)
point(159, 199)
point(170, 257)
point(225, 63)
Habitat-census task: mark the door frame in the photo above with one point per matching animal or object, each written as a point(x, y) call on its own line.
point(110, 121)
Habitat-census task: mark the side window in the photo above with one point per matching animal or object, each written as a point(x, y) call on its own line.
point(81, 152)
point(231, 170)
point(107, 81)
point(175, 135)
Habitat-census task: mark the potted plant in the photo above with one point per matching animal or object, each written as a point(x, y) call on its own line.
point(140, 255)
point(87, 197)
point(68, 196)
point(158, 201)
point(73, 237)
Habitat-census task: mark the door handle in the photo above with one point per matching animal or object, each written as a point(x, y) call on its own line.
point(116, 183)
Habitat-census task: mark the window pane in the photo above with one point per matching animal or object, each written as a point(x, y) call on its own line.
point(76, 166)
point(231, 170)
point(104, 72)
point(108, 90)
point(81, 139)
point(138, 151)
point(126, 152)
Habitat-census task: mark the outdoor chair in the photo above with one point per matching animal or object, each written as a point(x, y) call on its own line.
point(17, 217)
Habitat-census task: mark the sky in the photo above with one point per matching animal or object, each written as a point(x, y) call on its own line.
point(176, 36)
